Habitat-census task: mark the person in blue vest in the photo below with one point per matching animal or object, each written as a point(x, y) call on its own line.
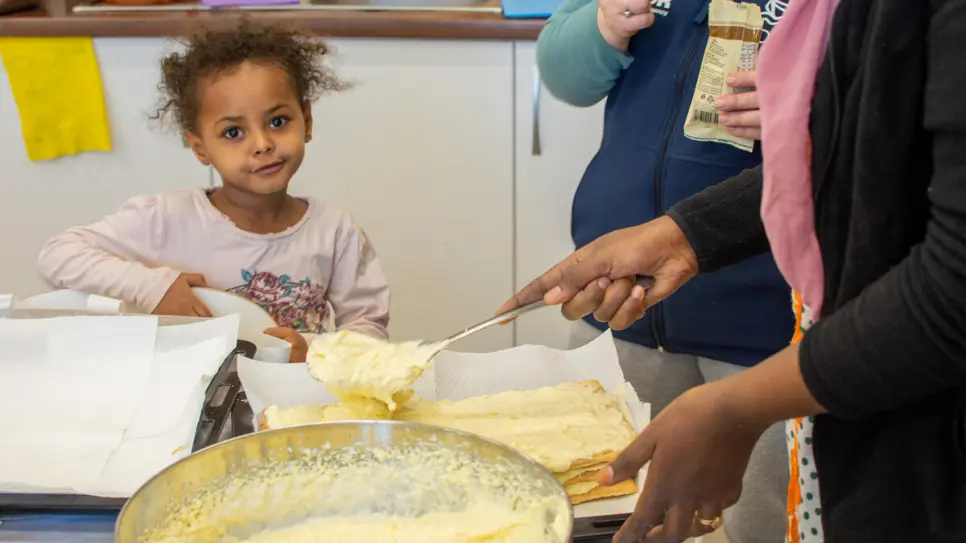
point(644, 57)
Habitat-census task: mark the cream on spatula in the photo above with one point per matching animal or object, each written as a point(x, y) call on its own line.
point(354, 366)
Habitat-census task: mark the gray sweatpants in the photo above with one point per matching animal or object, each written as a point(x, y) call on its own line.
point(658, 377)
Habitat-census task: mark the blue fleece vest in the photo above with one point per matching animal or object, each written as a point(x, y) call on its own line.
point(645, 165)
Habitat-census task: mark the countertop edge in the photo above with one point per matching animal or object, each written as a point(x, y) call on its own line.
point(423, 25)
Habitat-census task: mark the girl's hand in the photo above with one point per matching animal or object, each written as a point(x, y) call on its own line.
point(180, 300)
point(739, 112)
point(300, 348)
point(619, 20)
point(698, 448)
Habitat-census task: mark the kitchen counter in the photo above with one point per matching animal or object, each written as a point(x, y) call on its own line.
point(355, 24)
point(76, 528)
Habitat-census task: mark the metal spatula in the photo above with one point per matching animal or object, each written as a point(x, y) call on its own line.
point(646, 282)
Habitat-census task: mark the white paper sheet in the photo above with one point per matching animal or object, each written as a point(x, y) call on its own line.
point(138, 459)
point(53, 372)
point(178, 332)
point(176, 376)
point(457, 376)
point(66, 463)
point(99, 404)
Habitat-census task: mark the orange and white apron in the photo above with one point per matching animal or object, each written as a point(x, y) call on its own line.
point(804, 505)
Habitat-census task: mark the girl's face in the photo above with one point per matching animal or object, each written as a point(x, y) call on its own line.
point(251, 127)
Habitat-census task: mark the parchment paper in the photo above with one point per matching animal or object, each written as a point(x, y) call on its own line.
point(99, 404)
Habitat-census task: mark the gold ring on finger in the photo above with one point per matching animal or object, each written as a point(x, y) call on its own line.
point(713, 524)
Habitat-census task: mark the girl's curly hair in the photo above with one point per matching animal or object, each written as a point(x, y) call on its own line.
point(211, 51)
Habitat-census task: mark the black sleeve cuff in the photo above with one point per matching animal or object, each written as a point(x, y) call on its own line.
point(723, 223)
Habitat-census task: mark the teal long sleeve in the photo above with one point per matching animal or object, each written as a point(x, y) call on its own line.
point(576, 64)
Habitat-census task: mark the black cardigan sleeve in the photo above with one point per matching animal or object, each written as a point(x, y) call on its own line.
point(723, 223)
point(904, 337)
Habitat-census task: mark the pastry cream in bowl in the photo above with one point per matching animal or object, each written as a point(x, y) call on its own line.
point(383, 481)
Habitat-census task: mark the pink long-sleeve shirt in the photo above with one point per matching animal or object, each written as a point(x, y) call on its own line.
point(323, 263)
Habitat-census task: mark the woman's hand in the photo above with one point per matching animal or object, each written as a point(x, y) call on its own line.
point(300, 348)
point(698, 451)
point(598, 278)
point(698, 448)
point(738, 112)
point(619, 20)
point(179, 300)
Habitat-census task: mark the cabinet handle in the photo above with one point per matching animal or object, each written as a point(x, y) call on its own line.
point(535, 144)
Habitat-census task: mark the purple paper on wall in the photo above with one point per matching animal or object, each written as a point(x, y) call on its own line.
point(229, 3)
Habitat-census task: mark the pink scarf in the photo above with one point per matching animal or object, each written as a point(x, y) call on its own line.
point(786, 75)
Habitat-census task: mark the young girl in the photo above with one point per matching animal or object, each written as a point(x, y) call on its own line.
point(242, 99)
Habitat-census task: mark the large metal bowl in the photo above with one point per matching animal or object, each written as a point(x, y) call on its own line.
point(276, 478)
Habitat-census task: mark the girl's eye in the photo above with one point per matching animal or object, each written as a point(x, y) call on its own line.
point(232, 133)
point(277, 122)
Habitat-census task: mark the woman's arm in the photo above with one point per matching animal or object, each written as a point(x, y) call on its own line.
point(723, 222)
point(712, 229)
point(575, 62)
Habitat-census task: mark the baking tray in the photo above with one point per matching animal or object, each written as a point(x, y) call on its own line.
point(597, 529)
point(216, 423)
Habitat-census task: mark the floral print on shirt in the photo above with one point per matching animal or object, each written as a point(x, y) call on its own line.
point(804, 504)
point(293, 304)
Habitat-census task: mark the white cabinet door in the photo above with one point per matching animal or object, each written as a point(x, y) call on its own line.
point(554, 144)
point(421, 153)
point(41, 199)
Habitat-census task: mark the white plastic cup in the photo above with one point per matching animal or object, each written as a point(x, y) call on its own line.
point(272, 349)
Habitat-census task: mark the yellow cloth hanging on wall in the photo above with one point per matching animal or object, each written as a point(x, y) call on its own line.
point(57, 86)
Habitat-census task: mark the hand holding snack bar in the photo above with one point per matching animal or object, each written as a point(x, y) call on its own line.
point(734, 34)
point(738, 112)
